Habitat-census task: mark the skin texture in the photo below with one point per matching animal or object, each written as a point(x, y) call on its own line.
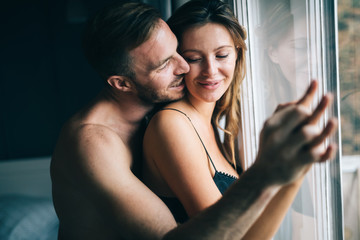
point(94, 164)
point(96, 192)
point(176, 162)
point(159, 69)
point(172, 148)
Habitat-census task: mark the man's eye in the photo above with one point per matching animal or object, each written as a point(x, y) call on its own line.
point(162, 67)
point(192, 60)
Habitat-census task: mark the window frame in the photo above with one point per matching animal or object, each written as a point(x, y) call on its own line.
point(328, 176)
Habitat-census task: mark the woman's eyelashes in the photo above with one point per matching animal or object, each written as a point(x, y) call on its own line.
point(222, 56)
point(199, 59)
point(192, 60)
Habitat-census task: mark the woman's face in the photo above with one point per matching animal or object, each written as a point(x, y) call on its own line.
point(291, 55)
point(211, 54)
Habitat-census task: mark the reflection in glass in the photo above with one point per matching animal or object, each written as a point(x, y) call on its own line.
point(349, 66)
point(349, 74)
point(287, 42)
point(283, 42)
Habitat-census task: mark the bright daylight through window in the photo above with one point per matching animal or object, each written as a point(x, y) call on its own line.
point(349, 75)
point(291, 42)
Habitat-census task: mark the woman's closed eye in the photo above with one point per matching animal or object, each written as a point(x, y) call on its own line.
point(222, 56)
point(198, 59)
point(192, 60)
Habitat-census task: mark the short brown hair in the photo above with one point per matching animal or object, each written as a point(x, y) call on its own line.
point(113, 32)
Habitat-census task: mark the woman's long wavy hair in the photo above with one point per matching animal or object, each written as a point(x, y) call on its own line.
point(199, 13)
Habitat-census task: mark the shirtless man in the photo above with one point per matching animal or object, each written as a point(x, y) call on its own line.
point(97, 192)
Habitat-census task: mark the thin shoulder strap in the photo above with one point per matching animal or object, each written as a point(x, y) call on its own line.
point(174, 109)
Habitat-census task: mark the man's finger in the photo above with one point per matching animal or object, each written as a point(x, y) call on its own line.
point(329, 153)
point(284, 105)
point(307, 99)
point(318, 112)
point(327, 131)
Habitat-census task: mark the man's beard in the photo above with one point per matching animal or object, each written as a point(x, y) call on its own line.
point(149, 95)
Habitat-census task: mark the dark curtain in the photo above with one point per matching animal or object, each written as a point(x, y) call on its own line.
point(166, 7)
point(44, 77)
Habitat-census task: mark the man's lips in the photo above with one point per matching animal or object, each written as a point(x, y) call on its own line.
point(178, 84)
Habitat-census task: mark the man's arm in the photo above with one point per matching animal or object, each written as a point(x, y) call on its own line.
point(233, 214)
point(108, 199)
point(100, 169)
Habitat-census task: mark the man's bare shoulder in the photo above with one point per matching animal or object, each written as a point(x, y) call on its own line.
point(83, 139)
point(91, 168)
point(87, 148)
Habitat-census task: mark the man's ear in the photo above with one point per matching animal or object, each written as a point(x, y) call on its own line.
point(121, 83)
point(273, 54)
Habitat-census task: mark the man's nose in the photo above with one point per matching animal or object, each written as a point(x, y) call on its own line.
point(183, 67)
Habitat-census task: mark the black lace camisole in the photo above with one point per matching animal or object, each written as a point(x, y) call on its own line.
point(221, 179)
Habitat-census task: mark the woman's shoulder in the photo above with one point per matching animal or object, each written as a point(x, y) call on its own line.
point(169, 130)
point(170, 115)
point(170, 122)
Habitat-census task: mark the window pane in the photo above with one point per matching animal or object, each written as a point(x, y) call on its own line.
point(349, 73)
point(291, 42)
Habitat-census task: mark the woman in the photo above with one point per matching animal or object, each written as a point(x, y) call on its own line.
point(187, 164)
point(283, 38)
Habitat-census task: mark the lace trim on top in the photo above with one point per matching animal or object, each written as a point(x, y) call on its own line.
point(227, 175)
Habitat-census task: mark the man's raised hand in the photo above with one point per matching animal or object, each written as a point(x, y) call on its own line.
point(291, 139)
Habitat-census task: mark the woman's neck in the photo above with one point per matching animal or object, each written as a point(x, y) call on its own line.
point(204, 109)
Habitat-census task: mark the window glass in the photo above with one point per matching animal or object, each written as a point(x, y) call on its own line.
point(349, 74)
point(291, 42)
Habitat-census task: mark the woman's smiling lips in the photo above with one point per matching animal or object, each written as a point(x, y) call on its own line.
point(213, 84)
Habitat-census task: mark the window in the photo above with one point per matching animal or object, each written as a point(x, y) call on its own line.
point(291, 42)
point(349, 75)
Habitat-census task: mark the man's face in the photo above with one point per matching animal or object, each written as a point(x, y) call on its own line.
point(158, 68)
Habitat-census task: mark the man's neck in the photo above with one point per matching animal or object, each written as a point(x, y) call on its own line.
point(126, 113)
point(132, 108)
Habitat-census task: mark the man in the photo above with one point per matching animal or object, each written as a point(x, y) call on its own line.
point(95, 167)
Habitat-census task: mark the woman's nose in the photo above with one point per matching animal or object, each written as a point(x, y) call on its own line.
point(209, 67)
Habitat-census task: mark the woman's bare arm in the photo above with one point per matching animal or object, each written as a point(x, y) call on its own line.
point(289, 145)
